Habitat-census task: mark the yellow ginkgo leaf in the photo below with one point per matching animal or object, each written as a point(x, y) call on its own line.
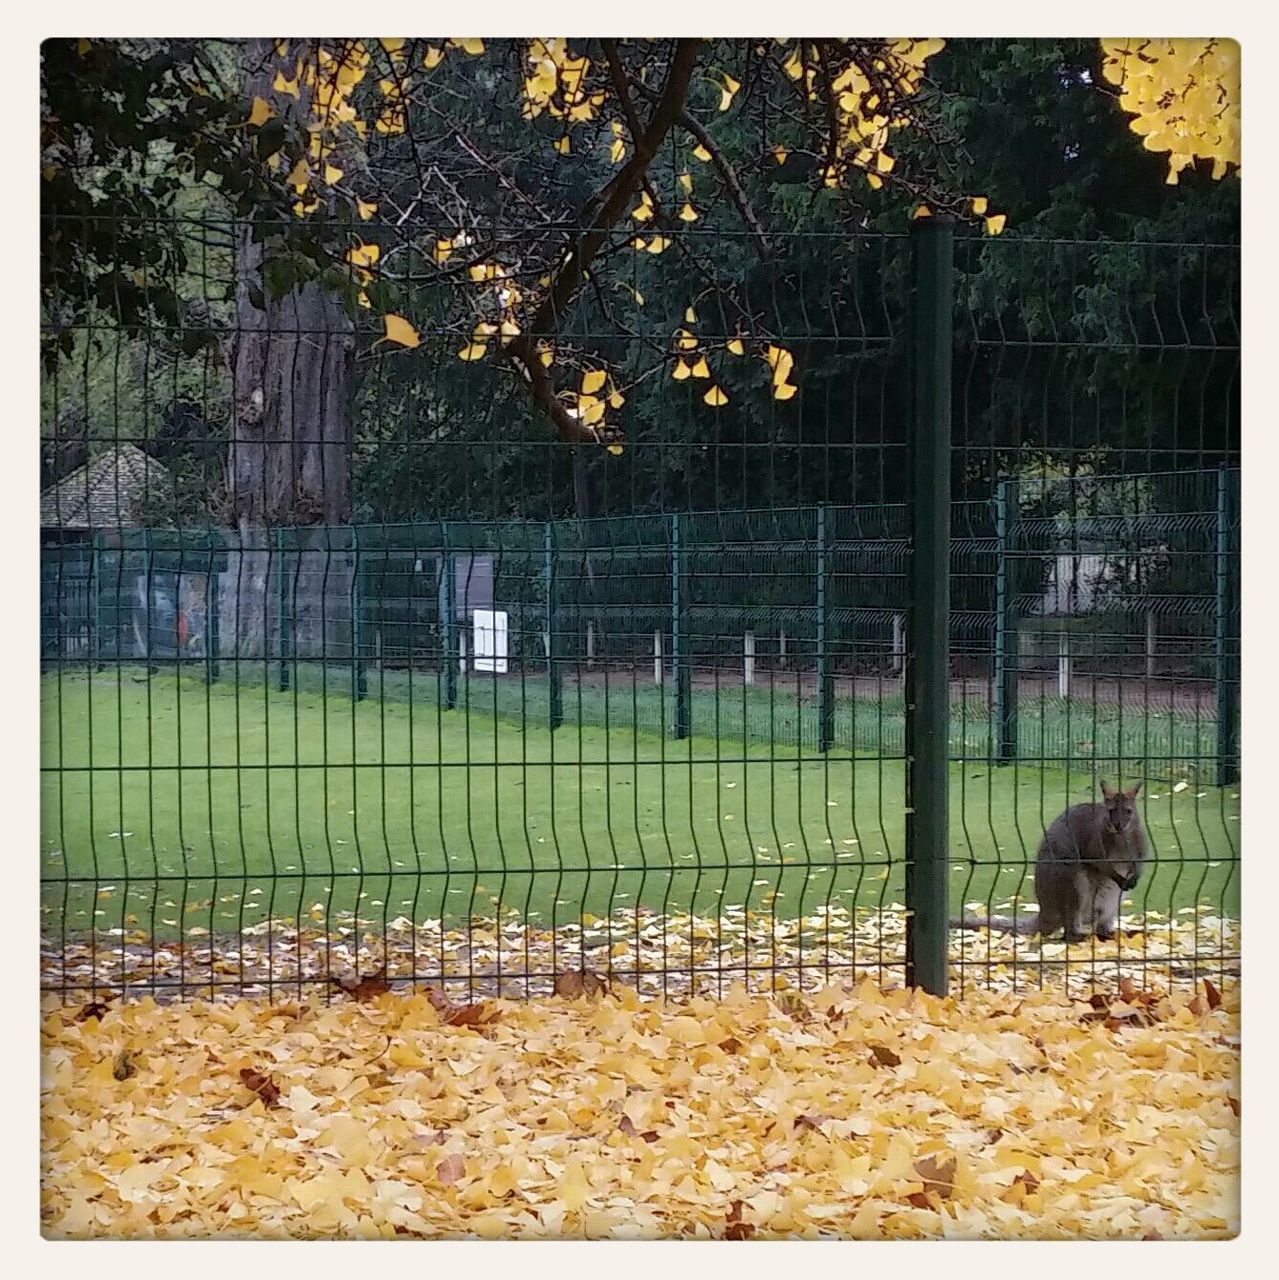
point(735, 347)
point(681, 371)
point(686, 181)
point(780, 153)
point(365, 208)
point(688, 213)
point(589, 410)
point(281, 85)
point(473, 351)
point(564, 145)
point(922, 211)
point(364, 255)
point(702, 154)
point(616, 399)
point(658, 243)
point(639, 244)
point(701, 369)
point(874, 181)
point(715, 397)
point(509, 329)
point(472, 45)
point(332, 175)
point(617, 151)
point(644, 210)
point(780, 361)
point(615, 450)
point(686, 341)
point(443, 250)
point(980, 205)
point(690, 316)
point(728, 92)
point(547, 356)
point(784, 391)
point(884, 162)
point(398, 329)
point(261, 112)
point(995, 223)
point(433, 57)
point(299, 176)
point(593, 380)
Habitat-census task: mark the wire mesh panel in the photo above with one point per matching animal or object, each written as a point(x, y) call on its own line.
point(1098, 411)
point(472, 704)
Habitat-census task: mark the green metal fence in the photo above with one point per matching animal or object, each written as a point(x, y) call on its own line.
point(765, 698)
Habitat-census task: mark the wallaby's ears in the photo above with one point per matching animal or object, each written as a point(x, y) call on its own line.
point(1131, 793)
point(1106, 790)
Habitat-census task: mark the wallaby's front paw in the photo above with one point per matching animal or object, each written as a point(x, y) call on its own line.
point(1073, 935)
point(1105, 934)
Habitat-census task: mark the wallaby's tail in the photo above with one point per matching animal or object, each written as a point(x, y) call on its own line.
point(1022, 925)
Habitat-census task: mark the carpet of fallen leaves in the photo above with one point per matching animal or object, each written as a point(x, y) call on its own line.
point(854, 1112)
point(674, 955)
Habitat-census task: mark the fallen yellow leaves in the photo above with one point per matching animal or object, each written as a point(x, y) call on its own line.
point(854, 1111)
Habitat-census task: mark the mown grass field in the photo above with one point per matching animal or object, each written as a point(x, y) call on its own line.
point(170, 803)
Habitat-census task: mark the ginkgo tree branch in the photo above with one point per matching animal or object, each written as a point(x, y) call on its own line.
point(727, 174)
point(613, 203)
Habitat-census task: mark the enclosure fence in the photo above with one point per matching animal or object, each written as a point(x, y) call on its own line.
point(815, 680)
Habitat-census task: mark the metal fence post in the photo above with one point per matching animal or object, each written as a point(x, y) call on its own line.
point(679, 636)
point(359, 672)
point(928, 661)
point(1227, 634)
point(825, 675)
point(1004, 726)
point(448, 620)
point(282, 609)
point(554, 675)
point(212, 619)
point(95, 595)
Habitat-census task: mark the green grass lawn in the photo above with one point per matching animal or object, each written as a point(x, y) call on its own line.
point(181, 804)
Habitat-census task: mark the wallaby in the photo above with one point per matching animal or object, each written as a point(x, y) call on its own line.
point(1089, 856)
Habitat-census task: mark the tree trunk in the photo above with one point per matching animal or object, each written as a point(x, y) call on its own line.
point(289, 461)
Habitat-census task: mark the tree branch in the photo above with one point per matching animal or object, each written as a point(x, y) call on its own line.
point(726, 172)
point(614, 200)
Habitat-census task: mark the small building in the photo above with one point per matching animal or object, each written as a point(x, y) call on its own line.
point(108, 493)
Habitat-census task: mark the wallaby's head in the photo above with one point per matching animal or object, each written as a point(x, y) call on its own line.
point(1121, 817)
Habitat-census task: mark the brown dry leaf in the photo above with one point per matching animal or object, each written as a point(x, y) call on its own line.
point(731, 1045)
point(451, 1169)
point(882, 1056)
point(94, 1009)
point(1127, 989)
point(812, 1122)
point(1198, 1006)
point(469, 1015)
point(261, 1084)
point(734, 1227)
point(937, 1173)
point(574, 983)
point(123, 1066)
point(1214, 996)
point(367, 988)
point(1027, 1181)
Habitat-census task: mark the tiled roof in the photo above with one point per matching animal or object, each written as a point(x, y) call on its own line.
point(104, 492)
